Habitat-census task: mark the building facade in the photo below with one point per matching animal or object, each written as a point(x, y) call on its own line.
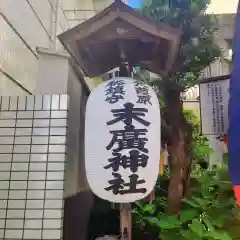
point(224, 39)
point(29, 24)
point(42, 105)
point(223, 7)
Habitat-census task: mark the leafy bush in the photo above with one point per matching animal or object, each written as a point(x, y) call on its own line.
point(208, 213)
point(200, 149)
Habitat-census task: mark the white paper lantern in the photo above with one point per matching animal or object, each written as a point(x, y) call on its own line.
point(122, 140)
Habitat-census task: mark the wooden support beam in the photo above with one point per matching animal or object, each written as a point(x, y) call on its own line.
point(126, 221)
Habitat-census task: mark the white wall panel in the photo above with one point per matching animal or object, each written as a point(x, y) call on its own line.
point(45, 13)
point(15, 58)
point(52, 2)
point(8, 87)
point(79, 16)
point(63, 22)
point(99, 5)
point(53, 73)
point(72, 4)
point(216, 69)
point(25, 21)
point(60, 47)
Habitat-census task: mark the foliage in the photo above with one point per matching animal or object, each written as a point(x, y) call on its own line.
point(198, 48)
point(197, 51)
point(209, 212)
point(200, 149)
point(205, 214)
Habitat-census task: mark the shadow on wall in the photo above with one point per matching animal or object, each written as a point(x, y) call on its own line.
point(77, 211)
point(87, 217)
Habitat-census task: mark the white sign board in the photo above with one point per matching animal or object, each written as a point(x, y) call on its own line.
point(122, 140)
point(214, 97)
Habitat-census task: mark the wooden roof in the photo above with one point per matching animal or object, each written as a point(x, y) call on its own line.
point(95, 43)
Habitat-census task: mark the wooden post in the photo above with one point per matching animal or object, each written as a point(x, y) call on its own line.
point(125, 208)
point(126, 221)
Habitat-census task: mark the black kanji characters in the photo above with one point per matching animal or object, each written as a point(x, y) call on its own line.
point(113, 98)
point(218, 101)
point(129, 138)
point(142, 90)
point(118, 185)
point(222, 118)
point(142, 93)
point(128, 114)
point(139, 84)
point(133, 161)
point(133, 185)
point(214, 122)
point(209, 87)
point(114, 91)
point(144, 99)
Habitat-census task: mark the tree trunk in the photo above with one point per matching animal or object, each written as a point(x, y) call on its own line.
point(179, 149)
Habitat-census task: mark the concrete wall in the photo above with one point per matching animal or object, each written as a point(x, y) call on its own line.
point(8, 87)
point(63, 77)
point(28, 24)
point(56, 75)
point(79, 11)
point(223, 38)
point(27, 30)
point(222, 6)
point(79, 198)
point(74, 171)
point(52, 72)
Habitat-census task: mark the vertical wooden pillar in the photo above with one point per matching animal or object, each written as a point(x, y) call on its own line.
point(126, 221)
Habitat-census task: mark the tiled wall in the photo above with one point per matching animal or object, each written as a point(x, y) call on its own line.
point(32, 162)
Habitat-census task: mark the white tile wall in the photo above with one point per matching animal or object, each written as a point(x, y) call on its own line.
point(32, 164)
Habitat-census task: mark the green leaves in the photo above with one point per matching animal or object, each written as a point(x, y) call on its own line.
point(207, 214)
point(192, 203)
point(190, 235)
point(208, 223)
point(188, 214)
point(218, 235)
point(164, 222)
point(197, 227)
point(187, 15)
point(145, 208)
point(152, 220)
point(207, 209)
point(149, 208)
point(169, 222)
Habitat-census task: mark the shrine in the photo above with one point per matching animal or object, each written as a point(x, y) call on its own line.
point(119, 36)
point(120, 33)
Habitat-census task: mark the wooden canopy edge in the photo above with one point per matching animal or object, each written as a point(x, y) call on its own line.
point(121, 8)
point(115, 12)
